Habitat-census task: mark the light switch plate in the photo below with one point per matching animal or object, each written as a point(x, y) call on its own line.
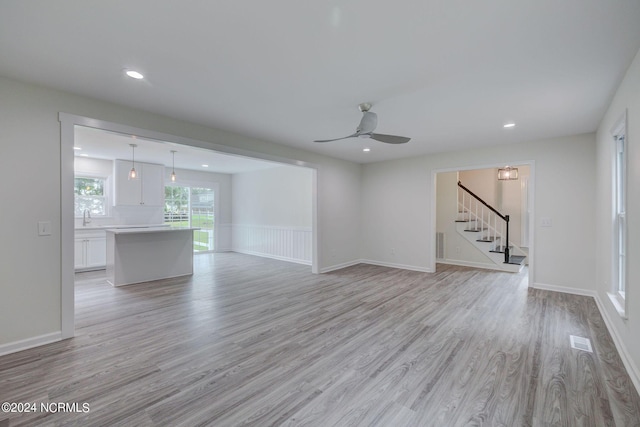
point(44, 228)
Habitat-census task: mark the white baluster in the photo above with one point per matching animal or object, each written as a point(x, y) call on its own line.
point(476, 226)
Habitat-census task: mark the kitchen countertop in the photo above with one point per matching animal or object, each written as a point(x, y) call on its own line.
point(120, 226)
point(137, 230)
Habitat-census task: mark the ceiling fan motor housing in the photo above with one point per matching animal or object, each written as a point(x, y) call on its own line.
point(368, 123)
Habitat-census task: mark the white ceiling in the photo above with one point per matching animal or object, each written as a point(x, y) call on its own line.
point(100, 144)
point(448, 73)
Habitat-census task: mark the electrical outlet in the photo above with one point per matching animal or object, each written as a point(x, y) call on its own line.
point(545, 222)
point(457, 250)
point(393, 251)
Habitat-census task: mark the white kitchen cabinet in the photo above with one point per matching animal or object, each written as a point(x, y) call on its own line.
point(146, 190)
point(90, 250)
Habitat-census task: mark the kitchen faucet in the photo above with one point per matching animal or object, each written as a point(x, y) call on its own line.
point(86, 217)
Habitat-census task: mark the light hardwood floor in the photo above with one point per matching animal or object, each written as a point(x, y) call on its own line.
point(253, 341)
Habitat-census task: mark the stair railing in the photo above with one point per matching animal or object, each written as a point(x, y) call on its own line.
point(480, 204)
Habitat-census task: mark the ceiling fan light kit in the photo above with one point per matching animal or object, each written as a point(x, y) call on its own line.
point(367, 125)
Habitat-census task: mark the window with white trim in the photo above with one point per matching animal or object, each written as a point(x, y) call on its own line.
point(90, 195)
point(621, 207)
point(619, 261)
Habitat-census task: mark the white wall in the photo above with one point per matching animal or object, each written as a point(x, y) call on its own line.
point(30, 265)
point(396, 214)
point(483, 182)
point(279, 196)
point(396, 198)
point(272, 213)
point(625, 332)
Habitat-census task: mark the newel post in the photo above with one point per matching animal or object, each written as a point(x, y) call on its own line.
point(506, 246)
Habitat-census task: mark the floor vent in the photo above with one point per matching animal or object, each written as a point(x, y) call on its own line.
point(440, 245)
point(580, 343)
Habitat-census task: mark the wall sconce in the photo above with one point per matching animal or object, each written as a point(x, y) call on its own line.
point(173, 165)
point(507, 173)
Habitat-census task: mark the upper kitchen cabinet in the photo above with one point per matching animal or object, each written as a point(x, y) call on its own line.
point(147, 189)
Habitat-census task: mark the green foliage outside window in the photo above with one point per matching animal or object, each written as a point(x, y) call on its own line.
point(90, 195)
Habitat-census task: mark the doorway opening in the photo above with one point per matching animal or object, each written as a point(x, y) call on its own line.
point(192, 207)
point(208, 204)
point(474, 207)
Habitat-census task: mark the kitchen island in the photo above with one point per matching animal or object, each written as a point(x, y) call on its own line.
point(143, 254)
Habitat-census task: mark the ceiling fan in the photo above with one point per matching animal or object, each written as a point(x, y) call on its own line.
point(366, 127)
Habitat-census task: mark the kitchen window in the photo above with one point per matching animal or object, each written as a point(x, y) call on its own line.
point(90, 195)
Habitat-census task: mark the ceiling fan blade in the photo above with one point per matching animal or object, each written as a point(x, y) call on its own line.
point(336, 139)
point(390, 139)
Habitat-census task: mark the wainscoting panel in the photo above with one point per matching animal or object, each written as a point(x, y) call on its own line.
point(284, 243)
point(223, 243)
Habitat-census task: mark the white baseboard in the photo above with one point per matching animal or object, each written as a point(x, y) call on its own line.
point(472, 264)
point(340, 266)
point(16, 346)
point(627, 361)
point(564, 289)
point(280, 258)
point(371, 262)
point(394, 265)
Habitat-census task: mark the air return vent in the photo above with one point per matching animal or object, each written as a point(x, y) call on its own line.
point(580, 343)
point(440, 245)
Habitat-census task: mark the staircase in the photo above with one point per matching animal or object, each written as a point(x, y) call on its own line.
point(488, 230)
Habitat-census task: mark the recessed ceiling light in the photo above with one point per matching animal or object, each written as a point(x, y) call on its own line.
point(84, 155)
point(205, 166)
point(509, 125)
point(134, 74)
point(77, 148)
point(366, 150)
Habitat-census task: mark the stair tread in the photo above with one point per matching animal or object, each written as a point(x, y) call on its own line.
point(516, 259)
point(486, 240)
point(500, 249)
point(474, 230)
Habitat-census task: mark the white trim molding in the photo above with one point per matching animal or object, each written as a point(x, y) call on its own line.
point(16, 346)
point(564, 289)
point(335, 267)
point(627, 360)
point(379, 263)
point(399, 266)
point(461, 263)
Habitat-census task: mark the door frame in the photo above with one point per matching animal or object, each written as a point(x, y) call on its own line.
point(67, 137)
point(532, 246)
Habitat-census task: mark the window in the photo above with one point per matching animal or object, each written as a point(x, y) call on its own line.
point(618, 294)
point(191, 207)
point(90, 195)
point(621, 204)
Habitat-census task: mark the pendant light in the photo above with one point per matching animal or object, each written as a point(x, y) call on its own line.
point(173, 165)
point(132, 173)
